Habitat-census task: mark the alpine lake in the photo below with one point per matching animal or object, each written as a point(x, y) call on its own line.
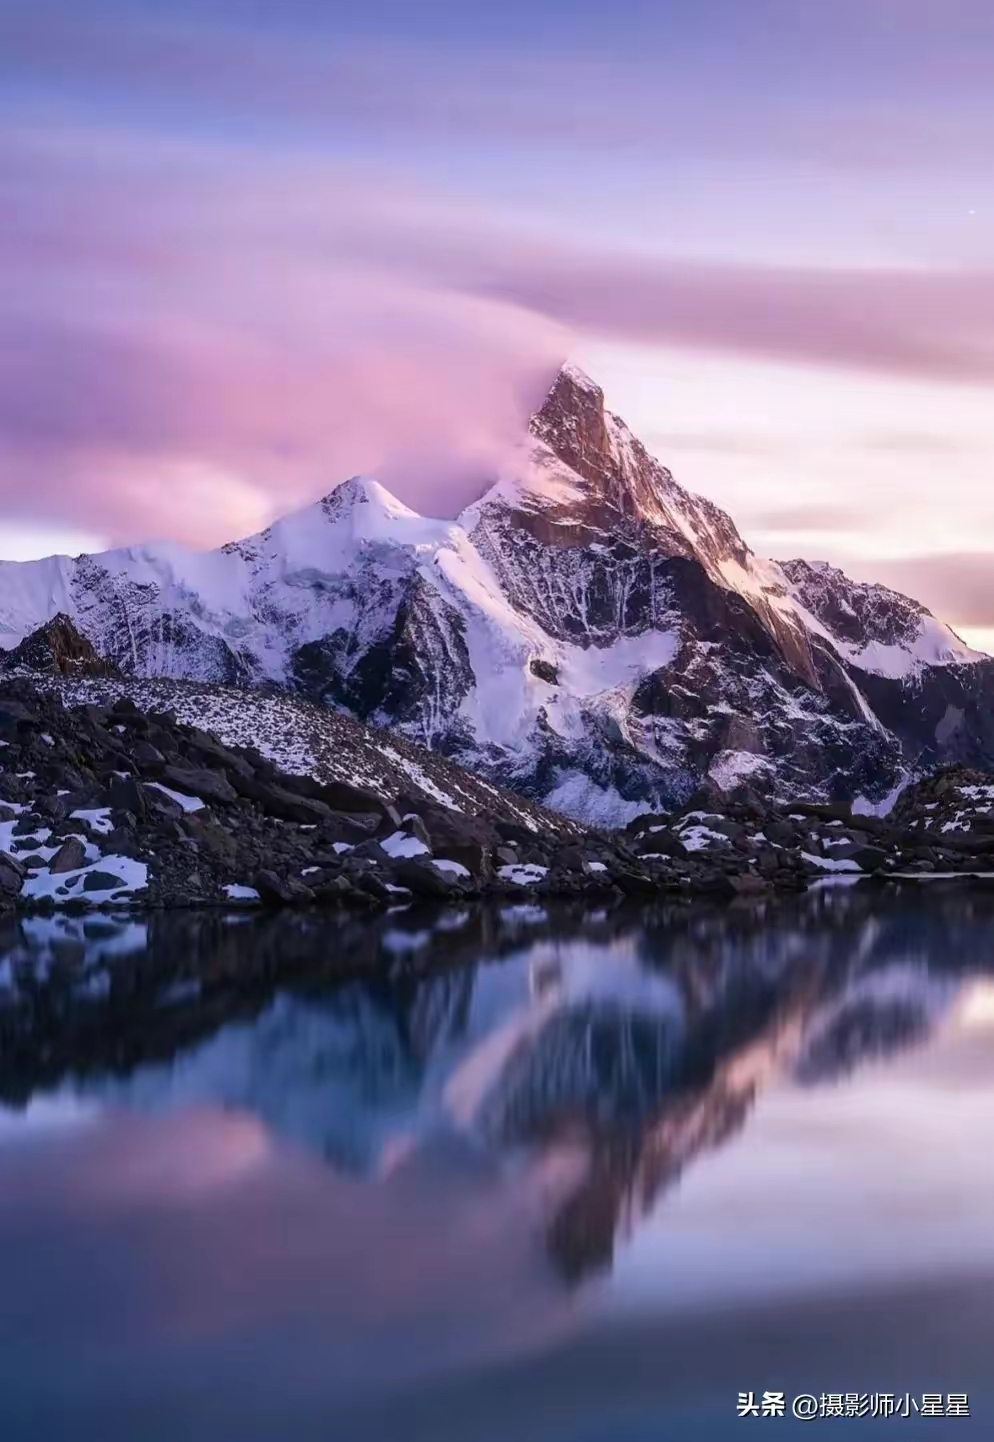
point(524, 1172)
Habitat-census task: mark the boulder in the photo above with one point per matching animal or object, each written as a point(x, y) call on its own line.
point(514, 832)
point(844, 851)
point(424, 879)
point(822, 811)
point(372, 884)
point(147, 757)
point(781, 833)
point(634, 883)
point(350, 826)
point(277, 801)
point(102, 881)
point(70, 856)
point(89, 798)
point(470, 840)
point(660, 843)
point(208, 749)
point(570, 858)
point(210, 836)
point(341, 796)
point(281, 890)
point(128, 796)
point(869, 858)
point(53, 808)
point(71, 778)
point(208, 785)
point(11, 875)
point(645, 820)
point(750, 803)
point(334, 891)
point(161, 807)
point(474, 855)
point(413, 825)
point(545, 670)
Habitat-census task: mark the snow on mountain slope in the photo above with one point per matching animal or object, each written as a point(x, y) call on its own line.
point(877, 629)
point(587, 631)
point(308, 740)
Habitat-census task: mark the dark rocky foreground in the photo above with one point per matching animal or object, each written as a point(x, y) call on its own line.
point(109, 806)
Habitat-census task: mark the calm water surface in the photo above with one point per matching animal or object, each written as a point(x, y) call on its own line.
point(542, 1175)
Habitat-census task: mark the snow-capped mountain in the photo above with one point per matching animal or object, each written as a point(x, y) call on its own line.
point(587, 632)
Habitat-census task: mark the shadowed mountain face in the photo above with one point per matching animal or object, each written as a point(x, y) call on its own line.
point(633, 1044)
point(587, 632)
point(58, 649)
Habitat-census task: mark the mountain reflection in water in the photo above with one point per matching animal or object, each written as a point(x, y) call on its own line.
point(438, 1129)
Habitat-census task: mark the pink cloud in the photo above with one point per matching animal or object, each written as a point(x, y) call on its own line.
point(202, 436)
point(212, 337)
point(934, 325)
point(194, 339)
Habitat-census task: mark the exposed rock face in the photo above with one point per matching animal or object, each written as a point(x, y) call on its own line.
point(957, 804)
point(58, 647)
point(855, 613)
point(587, 633)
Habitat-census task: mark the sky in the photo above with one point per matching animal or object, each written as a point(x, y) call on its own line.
point(250, 249)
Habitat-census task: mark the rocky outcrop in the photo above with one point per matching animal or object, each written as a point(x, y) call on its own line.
point(953, 807)
point(111, 805)
point(58, 648)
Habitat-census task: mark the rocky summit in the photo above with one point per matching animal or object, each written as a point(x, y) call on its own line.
point(587, 634)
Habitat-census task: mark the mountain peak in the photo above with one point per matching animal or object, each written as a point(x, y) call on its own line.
point(574, 378)
point(322, 537)
point(615, 481)
point(364, 491)
point(573, 423)
point(363, 510)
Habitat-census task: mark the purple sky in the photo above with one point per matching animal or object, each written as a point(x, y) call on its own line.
point(248, 249)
